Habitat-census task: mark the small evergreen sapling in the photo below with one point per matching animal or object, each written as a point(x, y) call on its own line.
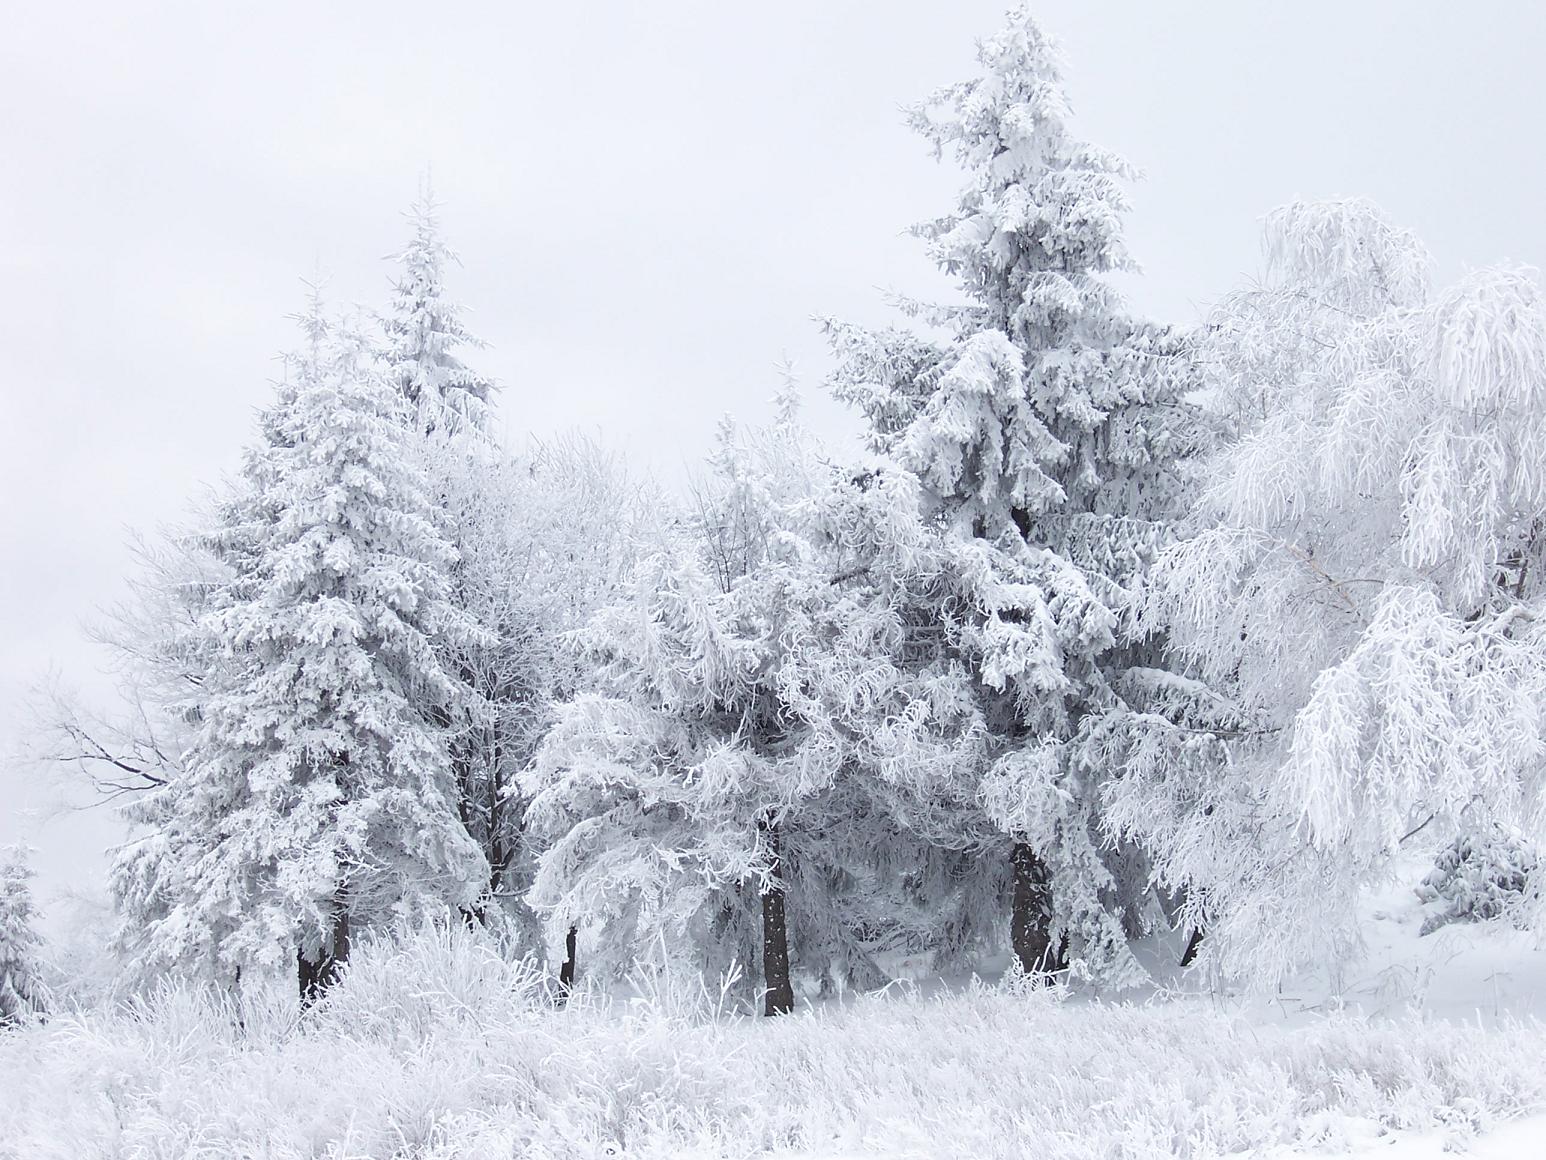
point(1480, 876)
point(23, 996)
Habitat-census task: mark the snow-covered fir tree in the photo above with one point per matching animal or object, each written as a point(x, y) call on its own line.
point(1361, 599)
point(22, 994)
point(317, 796)
point(425, 336)
point(541, 538)
point(1042, 417)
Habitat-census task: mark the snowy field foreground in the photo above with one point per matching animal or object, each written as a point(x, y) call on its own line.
point(436, 1048)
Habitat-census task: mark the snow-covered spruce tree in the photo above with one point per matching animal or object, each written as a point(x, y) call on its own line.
point(317, 796)
point(22, 994)
point(541, 538)
point(1362, 594)
point(447, 416)
point(425, 335)
point(1048, 421)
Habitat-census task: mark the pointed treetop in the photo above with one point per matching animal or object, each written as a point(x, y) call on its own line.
point(425, 333)
point(1043, 209)
point(788, 400)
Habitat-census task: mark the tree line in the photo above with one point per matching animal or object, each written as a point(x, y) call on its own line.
point(1114, 627)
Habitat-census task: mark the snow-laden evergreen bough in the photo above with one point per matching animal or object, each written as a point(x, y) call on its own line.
point(1361, 598)
point(1049, 422)
point(317, 795)
point(23, 996)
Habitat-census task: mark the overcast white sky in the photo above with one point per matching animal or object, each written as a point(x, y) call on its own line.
point(651, 201)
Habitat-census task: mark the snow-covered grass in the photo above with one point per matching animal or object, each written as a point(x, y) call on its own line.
point(434, 1047)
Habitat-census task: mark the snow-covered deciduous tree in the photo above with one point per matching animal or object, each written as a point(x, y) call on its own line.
point(161, 657)
point(317, 795)
point(1041, 416)
point(425, 335)
point(22, 993)
point(543, 539)
point(1361, 599)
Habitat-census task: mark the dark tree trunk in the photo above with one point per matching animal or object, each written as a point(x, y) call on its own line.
point(779, 992)
point(566, 970)
point(316, 975)
point(1030, 921)
point(1192, 946)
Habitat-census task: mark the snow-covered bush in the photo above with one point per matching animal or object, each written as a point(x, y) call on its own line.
point(1482, 874)
point(406, 985)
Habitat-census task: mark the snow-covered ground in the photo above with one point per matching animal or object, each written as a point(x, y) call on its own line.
point(437, 1049)
point(1519, 1140)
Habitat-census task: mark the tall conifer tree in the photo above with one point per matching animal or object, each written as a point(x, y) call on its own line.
point(317, 795)
point(1051, 422)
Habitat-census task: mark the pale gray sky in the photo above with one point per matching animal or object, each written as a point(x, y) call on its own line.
point(651, 200)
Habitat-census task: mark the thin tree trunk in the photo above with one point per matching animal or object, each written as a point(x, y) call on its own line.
point(316, 975)
point(779, 992)
point(499, 854)
point(566, 970)
point(1192, 946)
point(1030, 921)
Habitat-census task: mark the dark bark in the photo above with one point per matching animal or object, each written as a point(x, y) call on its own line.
point(1192, 946)
point(316, 974)
point(566, 969)
point(1030, 921)
point(778, 990)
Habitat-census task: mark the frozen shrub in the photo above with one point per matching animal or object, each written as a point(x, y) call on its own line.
point(406, 984)
point(1481, 875)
